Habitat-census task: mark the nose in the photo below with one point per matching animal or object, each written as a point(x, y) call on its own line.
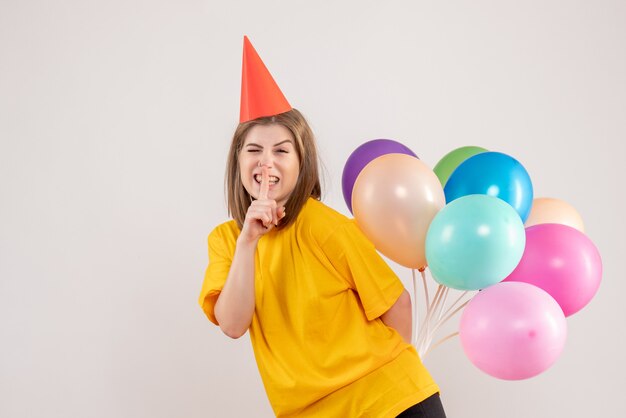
point(265, 160)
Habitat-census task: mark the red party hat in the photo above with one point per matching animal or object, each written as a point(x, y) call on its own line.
point(260, 95)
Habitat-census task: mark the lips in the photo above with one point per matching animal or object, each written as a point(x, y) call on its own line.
point(273, 179)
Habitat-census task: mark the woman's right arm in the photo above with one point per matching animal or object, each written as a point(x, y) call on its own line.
point(234, 307)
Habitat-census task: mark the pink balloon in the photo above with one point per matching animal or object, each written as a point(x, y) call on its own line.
point(562, 261)
point(513, 331)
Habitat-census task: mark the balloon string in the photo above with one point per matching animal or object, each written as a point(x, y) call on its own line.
point(455, 302)
point(415, 310)
point(423, 273)
point(436, 315)
point(441, 341)
point(443, 303)
point(427, 300)
point(422, 326)
point(437, 308)
point(424, 332)
point(432, 310)
point(447, 318)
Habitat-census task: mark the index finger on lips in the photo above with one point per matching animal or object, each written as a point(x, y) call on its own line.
point(265, 183)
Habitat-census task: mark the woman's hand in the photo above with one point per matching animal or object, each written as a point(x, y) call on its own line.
point(262, 215)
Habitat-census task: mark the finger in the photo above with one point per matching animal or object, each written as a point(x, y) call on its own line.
point(268, 218)
point(279, 214)
point(260, 215)
point(265, 183)
point(275, 217)
point(268, 221)
point(264, 211)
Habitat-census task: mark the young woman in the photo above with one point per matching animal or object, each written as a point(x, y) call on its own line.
point(329, 321)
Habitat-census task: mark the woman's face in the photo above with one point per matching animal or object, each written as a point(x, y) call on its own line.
point(272, 146)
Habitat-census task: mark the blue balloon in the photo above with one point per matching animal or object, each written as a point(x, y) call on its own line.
point(493, 174)
point(474, 242)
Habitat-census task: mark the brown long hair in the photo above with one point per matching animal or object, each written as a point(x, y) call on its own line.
point(308, 184)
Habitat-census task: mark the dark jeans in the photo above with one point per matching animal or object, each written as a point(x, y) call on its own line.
point(429, 408)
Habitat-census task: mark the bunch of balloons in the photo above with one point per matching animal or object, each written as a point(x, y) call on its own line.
point(474, 223)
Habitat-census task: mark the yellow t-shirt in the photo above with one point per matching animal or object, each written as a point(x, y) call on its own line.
point(321, 348)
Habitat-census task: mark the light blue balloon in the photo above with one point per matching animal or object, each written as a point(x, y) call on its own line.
point(493, 174)
point(474, 242)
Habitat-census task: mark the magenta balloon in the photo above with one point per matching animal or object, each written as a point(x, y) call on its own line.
point(562, 261)
point(362, 156)
point(513, 331)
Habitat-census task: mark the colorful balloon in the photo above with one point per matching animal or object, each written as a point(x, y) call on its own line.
point(547, 210)
point(361, 156)
point(451, 161)
point(562, 261)
point(474, 242)
point(513, 331)
point(493, 174)
point(394, 200)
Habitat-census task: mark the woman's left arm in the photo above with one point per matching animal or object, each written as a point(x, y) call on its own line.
point(399, 316)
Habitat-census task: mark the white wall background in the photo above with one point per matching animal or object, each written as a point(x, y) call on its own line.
point(115, 118)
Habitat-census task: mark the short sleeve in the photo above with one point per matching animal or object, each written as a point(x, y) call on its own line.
point(220, 259)
point(356, 259)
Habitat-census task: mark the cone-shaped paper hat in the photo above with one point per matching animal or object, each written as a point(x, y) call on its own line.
point(260, 95)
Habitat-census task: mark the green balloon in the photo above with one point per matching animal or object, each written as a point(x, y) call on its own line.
point(452, 160)
point(474, 242)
